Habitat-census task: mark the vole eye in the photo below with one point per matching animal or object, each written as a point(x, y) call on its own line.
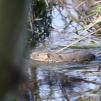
point(60, 57)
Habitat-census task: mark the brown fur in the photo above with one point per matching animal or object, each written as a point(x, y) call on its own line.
point(77, 56)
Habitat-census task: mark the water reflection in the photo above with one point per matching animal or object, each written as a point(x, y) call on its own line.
point(55, 86)
point(66, 82)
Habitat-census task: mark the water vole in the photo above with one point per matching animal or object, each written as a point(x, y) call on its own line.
point(77, 56)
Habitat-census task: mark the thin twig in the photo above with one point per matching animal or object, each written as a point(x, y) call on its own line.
point(88, 27)
point(80, 4)
point(77, 41)
point(47, 3)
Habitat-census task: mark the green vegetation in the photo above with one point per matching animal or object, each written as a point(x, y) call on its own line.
point(41, 21)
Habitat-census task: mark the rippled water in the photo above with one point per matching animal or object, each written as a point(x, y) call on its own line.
point(67, 82)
